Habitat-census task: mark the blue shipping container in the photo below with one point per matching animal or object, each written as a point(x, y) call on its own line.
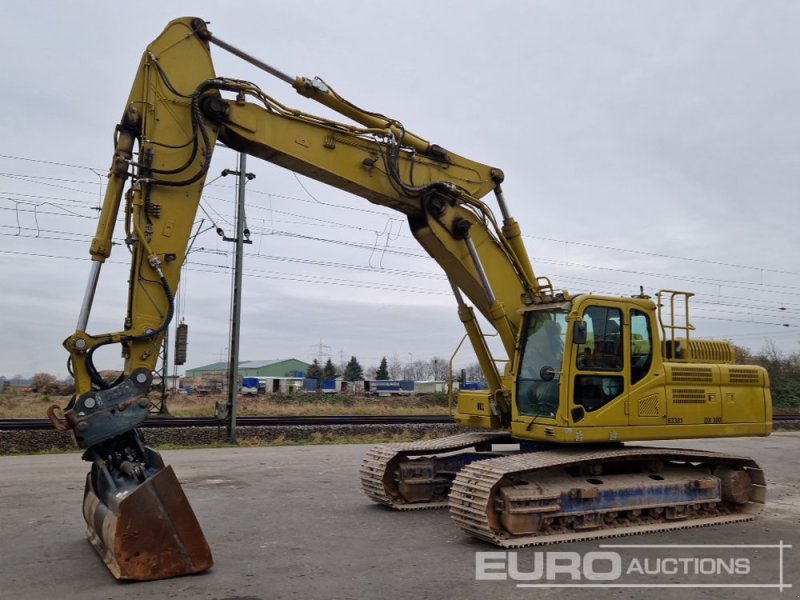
point(387, 386)
point(474, 385)
point(250, 382)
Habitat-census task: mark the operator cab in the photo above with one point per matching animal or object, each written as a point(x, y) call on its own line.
point(592, 372)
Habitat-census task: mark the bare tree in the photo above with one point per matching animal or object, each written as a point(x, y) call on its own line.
point(474, 372)
point(395, 367)
point(438, 368)
point(45, 383)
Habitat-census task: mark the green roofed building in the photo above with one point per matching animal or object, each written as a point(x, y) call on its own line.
point(290, 367)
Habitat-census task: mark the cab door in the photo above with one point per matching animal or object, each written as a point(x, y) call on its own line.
point(598, 382)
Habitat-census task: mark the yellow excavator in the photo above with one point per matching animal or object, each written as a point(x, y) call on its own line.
point(585, 374)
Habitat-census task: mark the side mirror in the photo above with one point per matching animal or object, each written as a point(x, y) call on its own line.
point(579, 332)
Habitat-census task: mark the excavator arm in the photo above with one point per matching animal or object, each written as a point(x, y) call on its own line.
point(138, 518)
point(176, 112)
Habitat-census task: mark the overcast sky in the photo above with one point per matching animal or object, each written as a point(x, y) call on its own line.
point(644, 143)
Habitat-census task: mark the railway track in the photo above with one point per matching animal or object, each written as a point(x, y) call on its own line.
point(172, 422)
point(167, 422)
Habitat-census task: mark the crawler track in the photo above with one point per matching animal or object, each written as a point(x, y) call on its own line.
point(472, 498)
point(377, 469)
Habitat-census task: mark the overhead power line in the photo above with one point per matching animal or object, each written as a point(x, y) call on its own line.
point(314, 200)
point(662, 255)
point(606, 285)
point(48, 162)
point(360, 284)
point(54, 234)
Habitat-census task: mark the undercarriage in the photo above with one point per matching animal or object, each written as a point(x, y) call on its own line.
point(533, 496)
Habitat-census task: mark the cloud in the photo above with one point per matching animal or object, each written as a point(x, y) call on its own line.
point(664, 128)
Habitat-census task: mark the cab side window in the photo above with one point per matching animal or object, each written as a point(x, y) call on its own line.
point(603, 348)
point(641, 345)
point(600, 358)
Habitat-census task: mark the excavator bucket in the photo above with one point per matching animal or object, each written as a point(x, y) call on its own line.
point(150, 533)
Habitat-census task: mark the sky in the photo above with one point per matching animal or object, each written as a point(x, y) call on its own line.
point(652, 144)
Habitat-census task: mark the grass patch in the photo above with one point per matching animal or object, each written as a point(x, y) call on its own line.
point(18, 406)
point(41, 451)
point(315, 439)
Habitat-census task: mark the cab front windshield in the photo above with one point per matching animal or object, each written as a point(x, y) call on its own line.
point(538, 381)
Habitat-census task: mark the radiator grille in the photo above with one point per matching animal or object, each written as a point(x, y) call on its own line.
point(711, 351)
point(688, 396)
point(743, 376)
point(692, 374)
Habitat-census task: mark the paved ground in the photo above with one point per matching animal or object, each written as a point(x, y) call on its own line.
point(291, 522)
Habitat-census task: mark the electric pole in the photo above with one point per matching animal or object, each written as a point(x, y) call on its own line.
point(319, 348)
point(236, 303)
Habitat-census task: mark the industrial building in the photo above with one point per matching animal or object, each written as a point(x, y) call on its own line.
point(290, 367)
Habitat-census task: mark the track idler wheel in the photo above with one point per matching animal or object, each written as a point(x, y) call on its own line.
point(736, 484)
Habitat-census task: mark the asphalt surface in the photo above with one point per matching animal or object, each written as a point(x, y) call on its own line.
point(291, 522)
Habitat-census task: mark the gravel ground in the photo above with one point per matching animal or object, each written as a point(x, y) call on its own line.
point(26, 442)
